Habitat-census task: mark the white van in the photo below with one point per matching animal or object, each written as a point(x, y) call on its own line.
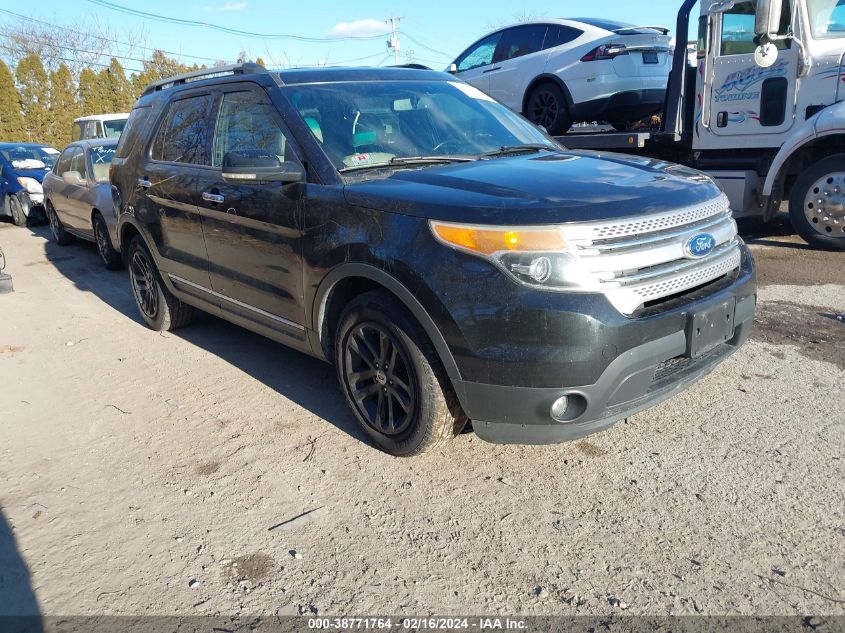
point(99, 126)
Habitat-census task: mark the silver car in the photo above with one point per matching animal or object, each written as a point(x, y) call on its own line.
point(78, 200)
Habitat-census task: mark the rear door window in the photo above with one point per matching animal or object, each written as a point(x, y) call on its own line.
point(557, 35)
point(183, 135)
point(520, 41)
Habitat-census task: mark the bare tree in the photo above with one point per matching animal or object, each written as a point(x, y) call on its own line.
point(522, 16)
point(77, 45)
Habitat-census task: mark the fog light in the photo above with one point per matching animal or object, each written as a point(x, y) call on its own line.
point(559, 408)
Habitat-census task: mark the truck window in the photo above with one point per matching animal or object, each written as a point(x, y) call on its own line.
point(76, 133)
point(737, 37)
point(827, 18)
point(701, 44)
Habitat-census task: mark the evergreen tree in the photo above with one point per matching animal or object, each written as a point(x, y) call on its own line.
point(35, 98)
point(89, 92)
point(11, 119)
point(158, 67)
point(64, 107)
point(119, 91)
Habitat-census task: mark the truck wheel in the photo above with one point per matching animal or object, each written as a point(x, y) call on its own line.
point(817, 204)
point(111, 258)
point(160, 310)
point(18, 216)
point(392, 378)
point(62, 237)
point(546, 106)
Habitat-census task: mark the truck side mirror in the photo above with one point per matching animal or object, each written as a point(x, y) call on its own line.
point(453, 68)
point(767, 18)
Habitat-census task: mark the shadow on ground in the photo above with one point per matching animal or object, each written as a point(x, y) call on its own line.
point(308, 382)
point(19, 610)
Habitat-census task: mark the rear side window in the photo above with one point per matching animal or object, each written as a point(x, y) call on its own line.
point(521, 40)
point(246, 121)
point(479, 55)
point(558, 35)
point(132, 130)
point(183, 135)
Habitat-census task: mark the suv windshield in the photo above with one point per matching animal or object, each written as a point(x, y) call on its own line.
point(113, 128)
point(369, 124)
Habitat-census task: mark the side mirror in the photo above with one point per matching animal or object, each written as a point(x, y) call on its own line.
point(245, 166)
point(767, 17)
point(73, 178)
point(453, 68)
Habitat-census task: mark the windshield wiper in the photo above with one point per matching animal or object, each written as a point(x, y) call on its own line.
point(506, 150)
point(410, 161)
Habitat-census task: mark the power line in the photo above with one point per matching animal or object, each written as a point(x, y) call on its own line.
point(104, 38)
point(426, 47)
point(225, 29)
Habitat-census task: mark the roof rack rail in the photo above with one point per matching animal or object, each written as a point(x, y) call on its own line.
point(233, 69)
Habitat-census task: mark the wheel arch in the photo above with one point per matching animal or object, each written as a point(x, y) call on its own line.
point(346, 282)
point(547, 78)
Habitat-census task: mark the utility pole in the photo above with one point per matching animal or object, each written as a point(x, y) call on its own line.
point(393, 42)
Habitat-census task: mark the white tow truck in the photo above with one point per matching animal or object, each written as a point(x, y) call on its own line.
point(763, 112)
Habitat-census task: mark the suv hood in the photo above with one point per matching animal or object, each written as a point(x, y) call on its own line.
point(542, 188)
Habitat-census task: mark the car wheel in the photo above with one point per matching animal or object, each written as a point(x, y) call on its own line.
point(546, 106)
point(111, 258)
point(18, 216)
point(393, 379)
point(62, 237)
point(160, 310)
point(817, 204)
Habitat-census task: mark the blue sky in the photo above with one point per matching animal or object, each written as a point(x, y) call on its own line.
point(431, 32)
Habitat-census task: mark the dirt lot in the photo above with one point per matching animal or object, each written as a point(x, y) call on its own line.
point(145, 473)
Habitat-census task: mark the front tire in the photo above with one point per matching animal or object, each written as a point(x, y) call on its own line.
point(393, 379)
point(62, 237)
point(18, 216)
point(817, 204)
point(110, 257)
point(546, 106)
point(160, 310)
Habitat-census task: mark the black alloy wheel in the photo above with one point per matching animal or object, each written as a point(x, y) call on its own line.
point(380, 379)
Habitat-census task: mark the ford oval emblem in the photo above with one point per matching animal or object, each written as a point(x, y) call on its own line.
point(700, 245)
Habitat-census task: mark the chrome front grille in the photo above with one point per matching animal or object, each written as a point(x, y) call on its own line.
point(639, 260)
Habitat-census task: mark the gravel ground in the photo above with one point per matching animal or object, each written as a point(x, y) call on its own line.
point(211, 471)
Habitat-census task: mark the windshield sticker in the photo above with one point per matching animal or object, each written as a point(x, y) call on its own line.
point(50, 150)
point(470, 91)
point(360, 159)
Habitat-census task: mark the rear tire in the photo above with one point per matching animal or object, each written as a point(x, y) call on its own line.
point(160, 310)
point(62, 237)
point(18, 216)
point(111, 258)
point(546, 106)
point(817, 204)
point(393, 379)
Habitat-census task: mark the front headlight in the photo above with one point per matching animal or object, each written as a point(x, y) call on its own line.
point(538, 256)
point(31, 185)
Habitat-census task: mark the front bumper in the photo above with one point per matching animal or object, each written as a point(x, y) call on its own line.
point(640, 377)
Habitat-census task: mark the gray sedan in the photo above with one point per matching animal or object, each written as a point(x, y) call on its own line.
point(78, 200)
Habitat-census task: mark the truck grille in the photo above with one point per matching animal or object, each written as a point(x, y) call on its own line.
point(643, 259)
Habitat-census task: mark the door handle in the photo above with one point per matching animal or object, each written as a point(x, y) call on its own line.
point(490, 70)
point(143, 182)
point(214, 198)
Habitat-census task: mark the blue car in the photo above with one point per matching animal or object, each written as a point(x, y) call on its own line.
point(22, 168)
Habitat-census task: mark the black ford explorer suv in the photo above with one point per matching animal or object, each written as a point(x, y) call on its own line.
point(447, 256)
